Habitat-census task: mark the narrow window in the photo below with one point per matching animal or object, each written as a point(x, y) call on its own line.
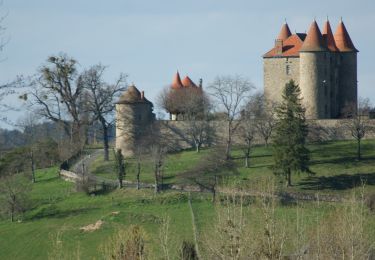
point(287, 69)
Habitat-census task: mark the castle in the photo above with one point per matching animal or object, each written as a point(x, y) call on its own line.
point(322, 64)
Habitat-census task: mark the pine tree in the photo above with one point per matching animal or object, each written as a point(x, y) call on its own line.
point(120, 167)
point(290, 153)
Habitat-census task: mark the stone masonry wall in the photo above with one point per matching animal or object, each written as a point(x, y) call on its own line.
point(275, 75)
point(319, 130)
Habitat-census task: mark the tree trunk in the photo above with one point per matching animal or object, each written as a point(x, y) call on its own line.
point(359, 149)
point(12, 208)
point(32, 167)
point(105, 140)
point(214, 190)
point(120, 183)
point(289, 177)
point(266, 141)
point(229, 141)
point(156, 180)
point(247, 161)
point(138, 174)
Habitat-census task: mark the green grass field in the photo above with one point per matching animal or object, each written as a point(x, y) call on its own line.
point(334, 163)
point(58, 212)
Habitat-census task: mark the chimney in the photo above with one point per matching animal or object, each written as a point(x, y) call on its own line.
point(142, 95)
point(200, 83)
point(279, 46)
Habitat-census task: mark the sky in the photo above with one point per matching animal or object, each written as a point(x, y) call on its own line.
point(151, 40)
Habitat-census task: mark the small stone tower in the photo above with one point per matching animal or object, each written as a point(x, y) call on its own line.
point(134, 114)
point(347, 62)
point(322, 64)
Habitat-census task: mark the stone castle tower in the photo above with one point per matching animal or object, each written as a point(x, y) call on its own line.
point(322, 64)
point(133, 117)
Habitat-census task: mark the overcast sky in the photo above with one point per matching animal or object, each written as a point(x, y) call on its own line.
point(150, 40)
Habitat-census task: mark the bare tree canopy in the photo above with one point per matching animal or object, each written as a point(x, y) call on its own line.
point(185, 102)
point(357, 122)
point(100, 99)
point(231, 94)
point(263, 114)
point(56, 93)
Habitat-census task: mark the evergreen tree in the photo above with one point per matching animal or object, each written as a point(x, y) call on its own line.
point(120, 167)
point(290, 154)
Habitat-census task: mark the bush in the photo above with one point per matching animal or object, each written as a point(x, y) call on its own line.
point(188, 251)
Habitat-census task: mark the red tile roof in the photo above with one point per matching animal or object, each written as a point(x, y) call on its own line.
point(291, 47)
point(314, 40)
point(176, 83)
point(328, 37)
point(342, 39)
point(187, 82)
point(284, 33)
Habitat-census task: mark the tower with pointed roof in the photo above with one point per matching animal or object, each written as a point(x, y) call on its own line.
point(324, 65)
point(181, 91)
point(134, 114)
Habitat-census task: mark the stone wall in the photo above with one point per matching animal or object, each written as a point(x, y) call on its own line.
point(131, 121)
point(319, 130)
point(275, 75)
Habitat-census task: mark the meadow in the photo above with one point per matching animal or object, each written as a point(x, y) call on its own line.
point(52, 225)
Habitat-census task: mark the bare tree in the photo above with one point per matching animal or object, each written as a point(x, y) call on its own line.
point(3, 41)
point(263, 114)
point(356, 123)
point(210, 170)
point(140, 152)
point(56, 94)
point(192, 105)
point(247, 134)
point(14, 193)
point(231, 93)
point(14, 186)
point(100, 97)
point(156, 146)
point(28, 125)
point(197, 112)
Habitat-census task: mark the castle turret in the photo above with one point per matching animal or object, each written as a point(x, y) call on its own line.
point(314, 74)
point(134, 115)
point(333, 75)
point(347, 63)
point(284, 32)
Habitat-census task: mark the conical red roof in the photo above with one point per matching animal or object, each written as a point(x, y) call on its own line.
point(187, 82)
point(284, 33)
point(314, 40)
point(176, 83)
point(342, 39)
point(328, 37)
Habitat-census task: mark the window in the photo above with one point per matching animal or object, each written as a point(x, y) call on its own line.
point(287, 69)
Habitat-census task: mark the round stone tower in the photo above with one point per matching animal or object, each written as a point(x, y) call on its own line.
point(314, 74)
point(133, 117)
point(347, 62)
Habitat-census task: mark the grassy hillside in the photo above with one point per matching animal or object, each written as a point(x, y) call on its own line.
point(58, 212)
point(334, 164)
